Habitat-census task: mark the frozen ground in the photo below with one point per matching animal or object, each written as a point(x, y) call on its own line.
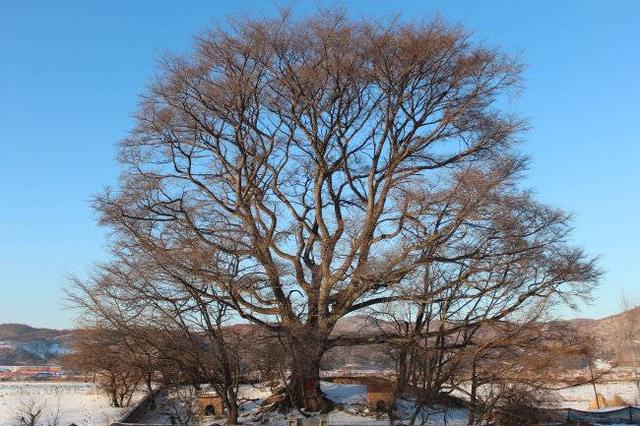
point(352, 399)
point(580, 396)
point(78, 403)
point(82, 404)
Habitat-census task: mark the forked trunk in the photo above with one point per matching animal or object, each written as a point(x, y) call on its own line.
point(231, 404)
point(232, 413)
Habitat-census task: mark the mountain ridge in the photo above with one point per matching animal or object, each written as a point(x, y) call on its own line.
point(22, 344)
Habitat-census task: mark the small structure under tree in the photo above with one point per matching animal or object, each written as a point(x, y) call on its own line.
point(210, 404)
point(380, 397)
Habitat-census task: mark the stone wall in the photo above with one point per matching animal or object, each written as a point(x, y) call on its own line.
point(139, 410)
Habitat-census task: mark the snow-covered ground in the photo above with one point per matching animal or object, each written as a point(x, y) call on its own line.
point(352, 401)
point(82, 404)
point(579, 397)
point(351, 398)
point(78, 403)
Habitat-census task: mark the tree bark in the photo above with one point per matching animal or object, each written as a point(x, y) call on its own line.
point(232, 410)
point(148, 382)
point(304, 383)
point(114, 398)
point(402, 370)
point(114, 392)
point(473, 400)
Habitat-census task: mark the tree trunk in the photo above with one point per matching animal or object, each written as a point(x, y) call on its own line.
point(114, 398)
point(114, 392)
point(148, 380)
point(402, 370)
point(304, 383)
point(232, 411)
point(229, 399)
point(593, 383)
point(473, 400)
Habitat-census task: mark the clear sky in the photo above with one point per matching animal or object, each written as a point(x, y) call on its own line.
point(71, 71)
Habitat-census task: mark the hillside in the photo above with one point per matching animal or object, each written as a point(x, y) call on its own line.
point(21, 344)
point(24, 345)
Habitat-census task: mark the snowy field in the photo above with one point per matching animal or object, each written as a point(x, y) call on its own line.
point(579, 397)
point(78, 403)
point(352, 401)
point(354, 397)
point(350, 397)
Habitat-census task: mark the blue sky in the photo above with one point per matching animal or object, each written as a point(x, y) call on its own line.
point(71, 72)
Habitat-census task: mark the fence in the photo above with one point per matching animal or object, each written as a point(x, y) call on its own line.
point(626, 415)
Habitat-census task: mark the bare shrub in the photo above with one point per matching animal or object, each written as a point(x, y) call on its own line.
point(509, 404)
point(33, 413)
point(29, 413)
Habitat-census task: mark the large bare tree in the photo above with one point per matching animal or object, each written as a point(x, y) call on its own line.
point(309, 169)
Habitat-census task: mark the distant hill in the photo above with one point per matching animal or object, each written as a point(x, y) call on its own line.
point(21, 344)
point(607, 330)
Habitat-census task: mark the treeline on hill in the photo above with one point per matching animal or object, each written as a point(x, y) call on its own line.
point(21, 344)
point(290, 173)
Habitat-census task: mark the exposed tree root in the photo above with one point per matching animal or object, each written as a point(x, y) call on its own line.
point(281, 402)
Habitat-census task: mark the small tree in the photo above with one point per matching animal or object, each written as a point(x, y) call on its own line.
point(171, 330)
point(29, 413)
point(33, 413)
point(102, 352)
